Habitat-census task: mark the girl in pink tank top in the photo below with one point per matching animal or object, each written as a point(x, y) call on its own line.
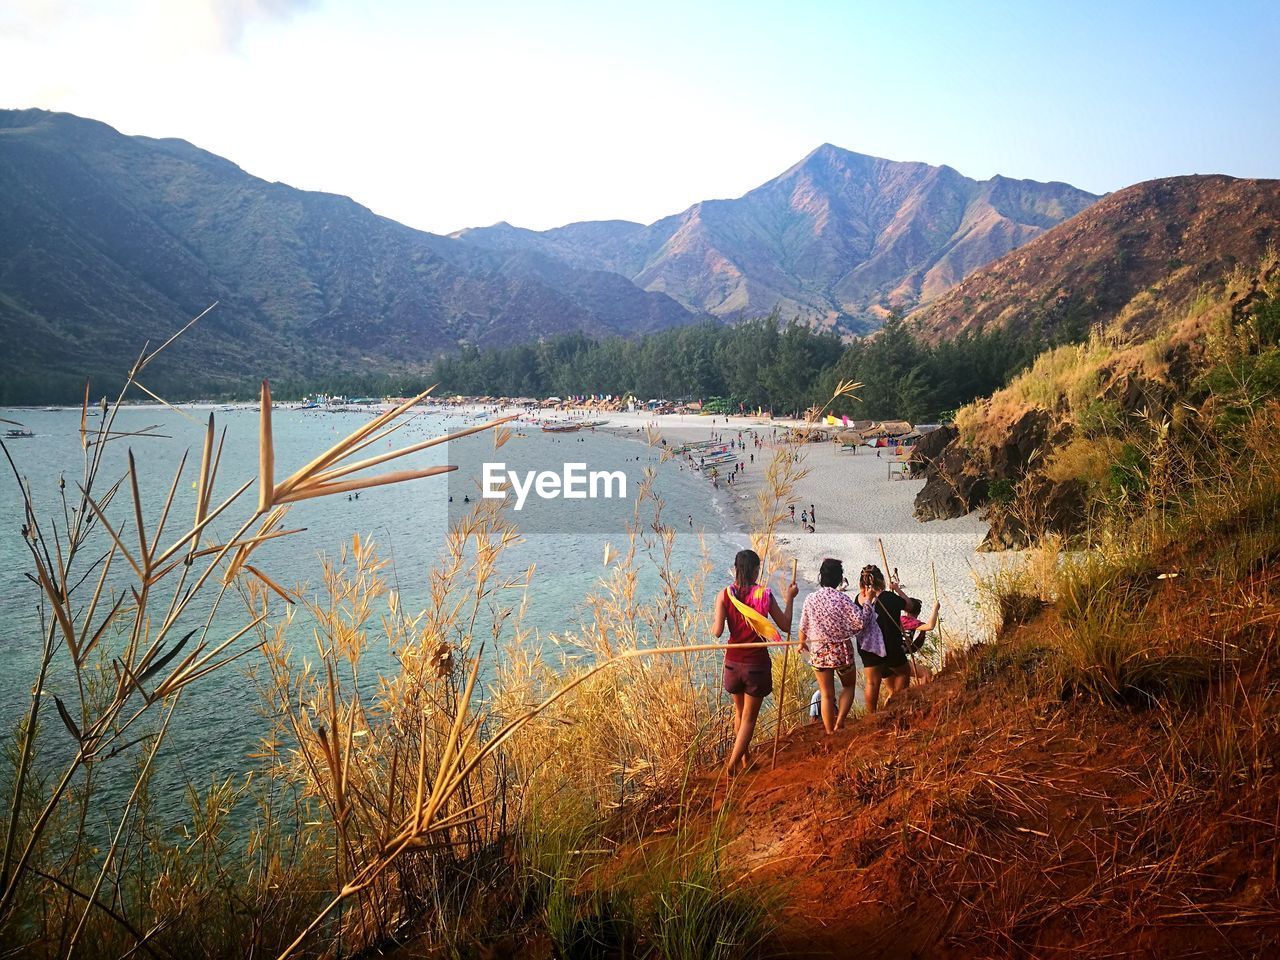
point(748, 673)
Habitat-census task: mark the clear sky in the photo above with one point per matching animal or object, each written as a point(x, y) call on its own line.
point(452, 113)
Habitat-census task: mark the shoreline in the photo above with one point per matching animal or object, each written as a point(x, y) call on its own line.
point(856, 505)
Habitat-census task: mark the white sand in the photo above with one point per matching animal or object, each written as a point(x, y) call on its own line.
point(856, 504)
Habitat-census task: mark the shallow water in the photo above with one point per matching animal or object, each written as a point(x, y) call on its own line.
point(217, 725)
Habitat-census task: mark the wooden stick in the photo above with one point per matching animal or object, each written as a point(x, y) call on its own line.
point(885, 560)
point(933, 570)
point(782, 692)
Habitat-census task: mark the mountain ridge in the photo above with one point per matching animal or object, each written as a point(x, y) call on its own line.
point(839, 238)
point(309, 283)
point(1122, 262)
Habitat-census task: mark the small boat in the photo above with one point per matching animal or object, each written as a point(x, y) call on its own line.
point(561, 427)
point(17, 434)
point(716, 462)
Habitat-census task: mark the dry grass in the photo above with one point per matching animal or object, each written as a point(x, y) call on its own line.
point(403, 794)
point(454, 800)
point(127, 656)
point(1085, 458)
point(1102, 779)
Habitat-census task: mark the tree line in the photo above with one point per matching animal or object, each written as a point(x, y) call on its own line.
point(765, 363)
point(784, 367)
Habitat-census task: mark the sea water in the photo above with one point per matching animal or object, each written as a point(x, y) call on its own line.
point(218, 723)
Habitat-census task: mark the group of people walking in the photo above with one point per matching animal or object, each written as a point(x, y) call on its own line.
point(880, 621)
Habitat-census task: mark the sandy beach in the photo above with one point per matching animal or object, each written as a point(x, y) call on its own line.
point(856, 504)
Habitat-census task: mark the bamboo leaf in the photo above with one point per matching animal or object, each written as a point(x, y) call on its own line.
point(283, 594)
point(143, 551)
point(202, 485)
point(66, 719)
point(398, 476)
point(345, 446)
point(343, 471)
point(161, 663)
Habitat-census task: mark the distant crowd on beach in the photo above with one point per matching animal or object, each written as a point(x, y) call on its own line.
point(880, 622)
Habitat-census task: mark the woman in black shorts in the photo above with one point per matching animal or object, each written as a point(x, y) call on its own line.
point(891, 666)
point(748, 673)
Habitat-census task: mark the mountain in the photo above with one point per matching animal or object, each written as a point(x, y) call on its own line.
point(1174, 285)
point(107, 241)
point(839, 239)
point(1122, 262)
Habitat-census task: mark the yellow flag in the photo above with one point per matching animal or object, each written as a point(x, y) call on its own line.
point(831, 421)
point(762, 625)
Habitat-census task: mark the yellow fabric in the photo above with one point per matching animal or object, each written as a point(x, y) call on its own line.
point(763, 626)
point(831, 421)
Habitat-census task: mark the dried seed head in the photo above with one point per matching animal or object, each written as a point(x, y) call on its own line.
point(442, 660)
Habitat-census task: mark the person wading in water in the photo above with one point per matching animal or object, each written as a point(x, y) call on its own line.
point(748, 673)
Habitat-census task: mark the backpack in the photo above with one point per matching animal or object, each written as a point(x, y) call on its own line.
point(914, 641)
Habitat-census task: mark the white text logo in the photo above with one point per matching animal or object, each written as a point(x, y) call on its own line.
point(573, 483)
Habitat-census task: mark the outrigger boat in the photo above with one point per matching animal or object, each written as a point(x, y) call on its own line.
point(17, 434)
point(698, 445)
point(561, 427)
point(720, 461)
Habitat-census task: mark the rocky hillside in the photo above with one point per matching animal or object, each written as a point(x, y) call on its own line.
point(107, 241)
point(1151, 288)
point(1091, 423)
point(840, 239)
point(1121, 262)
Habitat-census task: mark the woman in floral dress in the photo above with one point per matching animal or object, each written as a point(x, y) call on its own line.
point(828, 622)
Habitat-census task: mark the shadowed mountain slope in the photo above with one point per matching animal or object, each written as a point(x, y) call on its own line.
point(108, 240)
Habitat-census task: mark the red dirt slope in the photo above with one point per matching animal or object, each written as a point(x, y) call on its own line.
point(984, 816)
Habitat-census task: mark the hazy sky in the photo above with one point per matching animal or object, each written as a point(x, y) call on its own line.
point(465, 112)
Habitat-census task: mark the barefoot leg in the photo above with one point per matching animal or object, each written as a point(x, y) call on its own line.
point(871, 687)
point(746, 728)
point(827, 690)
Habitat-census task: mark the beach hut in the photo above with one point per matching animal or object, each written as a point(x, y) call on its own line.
point(892, 428)
point(847, 441)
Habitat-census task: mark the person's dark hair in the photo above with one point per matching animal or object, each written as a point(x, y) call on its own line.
point(831, 572)
point(871, 577)
point(914, 606)
point(746, 567)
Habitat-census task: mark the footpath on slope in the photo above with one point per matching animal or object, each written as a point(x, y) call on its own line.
point(981, 815)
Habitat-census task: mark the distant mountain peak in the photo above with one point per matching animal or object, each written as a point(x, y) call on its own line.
point(828, 152)
point(839, 238)
point(111, 239)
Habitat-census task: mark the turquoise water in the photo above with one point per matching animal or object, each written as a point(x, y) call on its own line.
point(215, 726)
